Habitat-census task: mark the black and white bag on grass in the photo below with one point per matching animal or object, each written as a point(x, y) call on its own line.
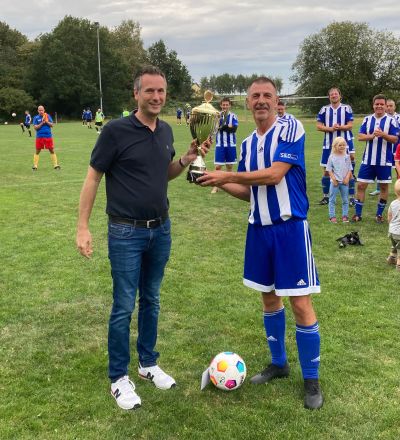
point(351, 238)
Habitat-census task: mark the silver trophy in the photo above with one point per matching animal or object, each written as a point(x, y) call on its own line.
point(204, 122)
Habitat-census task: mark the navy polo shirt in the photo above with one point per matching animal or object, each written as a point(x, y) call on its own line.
point(135, 161)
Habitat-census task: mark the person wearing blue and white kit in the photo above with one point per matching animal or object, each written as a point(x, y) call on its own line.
point(278, 257)
point(225, 139)
point(340, 172)
point(391, 111)
point(335, 119)
point(379, 131)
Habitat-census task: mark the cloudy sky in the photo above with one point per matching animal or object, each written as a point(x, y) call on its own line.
point(210, 37)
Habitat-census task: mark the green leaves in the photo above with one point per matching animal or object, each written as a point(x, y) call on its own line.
point(359, 60)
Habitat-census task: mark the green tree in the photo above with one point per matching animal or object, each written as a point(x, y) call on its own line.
point(14, 100)
point(225, 84)
point(177, 74)
point(64, 72)
point(14, 59)
point(359, 60)
point(128, 44)
point(240, 84)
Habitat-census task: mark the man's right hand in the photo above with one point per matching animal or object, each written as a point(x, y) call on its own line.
point(84, 242)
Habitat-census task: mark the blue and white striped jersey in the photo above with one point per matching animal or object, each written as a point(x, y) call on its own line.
point(330, 116)
point(286, 116)
point(28, 119)
point(283, 142)
point(378, 151)
point(224, 138)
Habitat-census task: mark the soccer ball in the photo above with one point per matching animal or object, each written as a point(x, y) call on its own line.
point(227, 371)
point(5, 123)
point(13, 115)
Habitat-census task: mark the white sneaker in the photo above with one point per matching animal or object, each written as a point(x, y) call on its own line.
point(375, 192)
point(123, 391)
point(157, 376)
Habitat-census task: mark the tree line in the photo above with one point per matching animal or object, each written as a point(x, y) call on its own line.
point(357, 59)
point(60, 68)
point(227, 84)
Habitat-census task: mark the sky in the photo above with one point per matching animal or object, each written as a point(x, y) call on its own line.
point(210, 37)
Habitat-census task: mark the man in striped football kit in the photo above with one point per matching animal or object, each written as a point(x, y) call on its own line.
point(335, 119)
point(225, 139)
point(379, 131)
point(278, 257)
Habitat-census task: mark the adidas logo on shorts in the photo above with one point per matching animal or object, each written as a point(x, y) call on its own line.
point(302, 283)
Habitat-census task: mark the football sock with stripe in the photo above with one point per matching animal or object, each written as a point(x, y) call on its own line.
point(325, 181)
point(380, 207)
point(359, 207)
point(308, 345)
point(275, 329)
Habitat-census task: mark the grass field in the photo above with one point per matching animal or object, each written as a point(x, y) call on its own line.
point(54, 308)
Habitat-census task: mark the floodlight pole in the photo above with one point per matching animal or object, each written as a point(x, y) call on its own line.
point(97, 24)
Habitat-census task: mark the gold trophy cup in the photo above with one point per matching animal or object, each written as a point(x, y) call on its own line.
point(204, 122)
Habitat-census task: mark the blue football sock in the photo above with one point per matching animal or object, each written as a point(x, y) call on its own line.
point(353, 165)
point(326, 182)
point(359, 207)
point(351, 187)
point(380, 207)
point(308, 345)
point(275, 329)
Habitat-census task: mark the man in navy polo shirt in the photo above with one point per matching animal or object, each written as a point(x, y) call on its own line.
point(136, 155)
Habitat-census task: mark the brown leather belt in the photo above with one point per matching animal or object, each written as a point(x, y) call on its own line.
point(148, 224)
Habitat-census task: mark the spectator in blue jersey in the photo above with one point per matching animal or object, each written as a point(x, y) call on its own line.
point(84, 117)
point(27, 123)
point(89, 118)
point(379, 131)
point(391, 111)
point(225, 140)
point(179, 116)
point(335, 119)
point(278, 258)
point(281, 111)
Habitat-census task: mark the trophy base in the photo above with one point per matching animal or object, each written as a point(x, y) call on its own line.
point(193, 174)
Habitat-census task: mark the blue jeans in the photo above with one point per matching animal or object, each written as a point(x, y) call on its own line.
point(138, 257)
point(344, 192)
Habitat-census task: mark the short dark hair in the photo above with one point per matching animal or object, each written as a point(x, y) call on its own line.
point(379, 96)
point(281, 103)
point(226, 99)
point(262, 80)
point(146, 70)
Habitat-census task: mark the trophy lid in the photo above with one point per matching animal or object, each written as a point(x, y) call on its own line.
point(206, 107)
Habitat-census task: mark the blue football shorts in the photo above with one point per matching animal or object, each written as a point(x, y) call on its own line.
point(368, 173)
point(326, 151)
point(279, 257)
point(225, 155)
